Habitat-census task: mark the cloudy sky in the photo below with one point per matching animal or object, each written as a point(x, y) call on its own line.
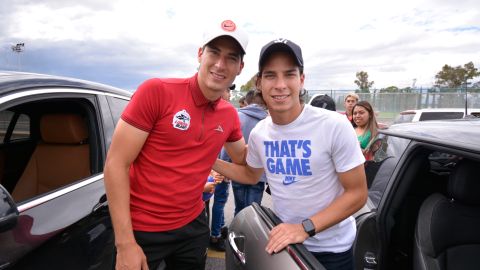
point(123, 42)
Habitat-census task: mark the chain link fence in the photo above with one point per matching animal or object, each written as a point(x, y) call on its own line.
point(388, 105)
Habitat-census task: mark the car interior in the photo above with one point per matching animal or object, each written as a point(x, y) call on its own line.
point(446, 232)
point(47, 144)
point(428, 173)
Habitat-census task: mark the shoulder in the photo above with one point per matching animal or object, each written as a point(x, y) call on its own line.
point(323, 114)
point(261, 127)
point(160, 84)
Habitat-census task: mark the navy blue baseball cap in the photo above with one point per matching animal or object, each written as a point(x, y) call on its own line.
point(280, 45)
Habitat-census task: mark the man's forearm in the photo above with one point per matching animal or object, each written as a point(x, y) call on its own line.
point(117, 187)
point(240, 173)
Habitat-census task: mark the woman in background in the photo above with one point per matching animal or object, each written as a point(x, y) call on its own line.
point(365, 125)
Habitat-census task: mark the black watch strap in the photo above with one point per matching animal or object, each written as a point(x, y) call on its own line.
point(308, 227)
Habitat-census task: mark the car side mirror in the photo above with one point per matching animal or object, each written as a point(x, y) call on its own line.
point(8, 211)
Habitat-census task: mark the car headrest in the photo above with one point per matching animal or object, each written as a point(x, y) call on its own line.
point(464, 182)
point(63, 129)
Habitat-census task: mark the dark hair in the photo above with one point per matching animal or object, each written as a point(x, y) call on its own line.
point(372, 120)
point(324, 101)
point(249, 96)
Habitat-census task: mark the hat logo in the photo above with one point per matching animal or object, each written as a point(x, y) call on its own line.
point(281, 40)
point(228, 26)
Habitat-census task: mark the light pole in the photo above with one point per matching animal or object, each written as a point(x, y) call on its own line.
point(18, 48)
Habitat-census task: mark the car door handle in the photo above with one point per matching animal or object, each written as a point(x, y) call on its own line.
point(232, 241)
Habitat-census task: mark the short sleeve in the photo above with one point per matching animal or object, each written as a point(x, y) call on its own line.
point(143, 109)
point(346, 151)
point(254, 151)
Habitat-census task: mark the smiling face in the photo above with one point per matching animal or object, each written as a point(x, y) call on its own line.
point(280, 82)
point(361, 116)
point(220, 62)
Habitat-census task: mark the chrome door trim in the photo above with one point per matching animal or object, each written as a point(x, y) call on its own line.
point(58, 193)
point(57, 91)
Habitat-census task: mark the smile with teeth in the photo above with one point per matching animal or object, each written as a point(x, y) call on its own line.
point(280, 97)
point(218, 76)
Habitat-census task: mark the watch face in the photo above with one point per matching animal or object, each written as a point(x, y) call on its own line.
point(308, 227)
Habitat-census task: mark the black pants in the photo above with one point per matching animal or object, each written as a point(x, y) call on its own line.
point(336, 261)
point(182, 248)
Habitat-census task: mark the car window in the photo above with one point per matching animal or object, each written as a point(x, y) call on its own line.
point(425, 116)
point(117, 106)
point(403, 118)
point(380, 169)
point(61, 151)
point(20, 124)
point(5, 118)
point(22, 128)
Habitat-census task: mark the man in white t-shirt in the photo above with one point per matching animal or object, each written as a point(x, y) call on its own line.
point(312, 161)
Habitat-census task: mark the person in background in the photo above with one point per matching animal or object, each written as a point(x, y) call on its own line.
point(350, 100)
point(217, 228)
point(241, 102)
point(365, 124)
point(249, 116)
point(163, 149)
point(312, 161)
point(325, 102)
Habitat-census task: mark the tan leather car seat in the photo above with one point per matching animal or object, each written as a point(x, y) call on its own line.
point(62, 156)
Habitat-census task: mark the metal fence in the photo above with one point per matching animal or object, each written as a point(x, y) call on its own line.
point(388, 105)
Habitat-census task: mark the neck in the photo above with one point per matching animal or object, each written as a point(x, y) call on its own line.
point(286, 117)
point(208, 93)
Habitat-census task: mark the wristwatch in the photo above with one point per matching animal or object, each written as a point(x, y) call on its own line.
point(308, 227)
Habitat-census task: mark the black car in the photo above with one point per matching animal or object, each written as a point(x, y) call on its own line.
point(54, 136)
point(423, 210)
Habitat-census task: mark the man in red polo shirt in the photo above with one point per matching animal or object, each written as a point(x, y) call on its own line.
point(162, 150)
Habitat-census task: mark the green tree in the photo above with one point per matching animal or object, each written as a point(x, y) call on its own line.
point(455, 77)
point(390, 89)
point(362, 82)
point(249, 85)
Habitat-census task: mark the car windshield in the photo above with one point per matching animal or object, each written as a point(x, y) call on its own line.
point(425, 116)
point(387, 152)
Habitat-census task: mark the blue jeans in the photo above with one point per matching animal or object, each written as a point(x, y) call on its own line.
point(219, 199)
point(336, 261)
point(245, 195)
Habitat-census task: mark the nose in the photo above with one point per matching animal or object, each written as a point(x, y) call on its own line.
point(280, 82)
point(220, 63)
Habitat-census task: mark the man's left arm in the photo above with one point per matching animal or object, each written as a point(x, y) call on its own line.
point(353, 198)
point(237, 151)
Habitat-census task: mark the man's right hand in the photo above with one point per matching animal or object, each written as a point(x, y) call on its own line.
point(130, 257)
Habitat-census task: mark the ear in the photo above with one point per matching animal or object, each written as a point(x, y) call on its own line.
point(199, 54)
point(258, 82)
point(242, 64)
point(302, 79)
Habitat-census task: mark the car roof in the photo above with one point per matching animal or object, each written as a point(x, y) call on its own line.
point(11, 81)
point(457, 133)
point(440, 110)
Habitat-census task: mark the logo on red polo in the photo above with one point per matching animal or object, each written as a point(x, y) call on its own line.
point(181, 120)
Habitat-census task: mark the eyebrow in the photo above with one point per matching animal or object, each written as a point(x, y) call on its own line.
point(285, 71)
point(212, 47)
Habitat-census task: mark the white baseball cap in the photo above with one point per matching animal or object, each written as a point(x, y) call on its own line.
point(227, 28)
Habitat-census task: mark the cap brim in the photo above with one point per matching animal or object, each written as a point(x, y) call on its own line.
point(225, 35)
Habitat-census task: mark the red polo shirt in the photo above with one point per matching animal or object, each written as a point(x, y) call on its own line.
point(187, 132)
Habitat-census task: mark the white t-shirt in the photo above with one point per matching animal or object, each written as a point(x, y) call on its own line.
point(301, 161)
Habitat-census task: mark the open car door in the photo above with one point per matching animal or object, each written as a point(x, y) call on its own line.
point(248, 237)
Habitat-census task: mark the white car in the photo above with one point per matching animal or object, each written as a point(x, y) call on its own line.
point(434, 114)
